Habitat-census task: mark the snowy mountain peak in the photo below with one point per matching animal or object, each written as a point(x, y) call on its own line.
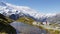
point(8, 9)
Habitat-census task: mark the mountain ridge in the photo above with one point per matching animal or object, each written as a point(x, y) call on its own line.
point(10, 9)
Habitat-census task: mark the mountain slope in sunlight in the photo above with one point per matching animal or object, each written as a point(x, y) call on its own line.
point(25, 19)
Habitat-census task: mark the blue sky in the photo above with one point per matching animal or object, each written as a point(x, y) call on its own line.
point(44, 6)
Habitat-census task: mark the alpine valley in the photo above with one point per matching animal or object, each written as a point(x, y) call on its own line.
point(10, 14)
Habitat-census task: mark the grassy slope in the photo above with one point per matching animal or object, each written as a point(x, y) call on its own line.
point(8, 21)
point(50, 31)
point(26, 20)
point(4, 25)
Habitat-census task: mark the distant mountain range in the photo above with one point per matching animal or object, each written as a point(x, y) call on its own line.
point(15, 12)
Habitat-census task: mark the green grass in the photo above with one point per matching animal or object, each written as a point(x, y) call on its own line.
point(8, 21)
point(26, 20)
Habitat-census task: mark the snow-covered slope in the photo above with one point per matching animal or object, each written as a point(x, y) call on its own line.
point(54, 19)
point(8, 9)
